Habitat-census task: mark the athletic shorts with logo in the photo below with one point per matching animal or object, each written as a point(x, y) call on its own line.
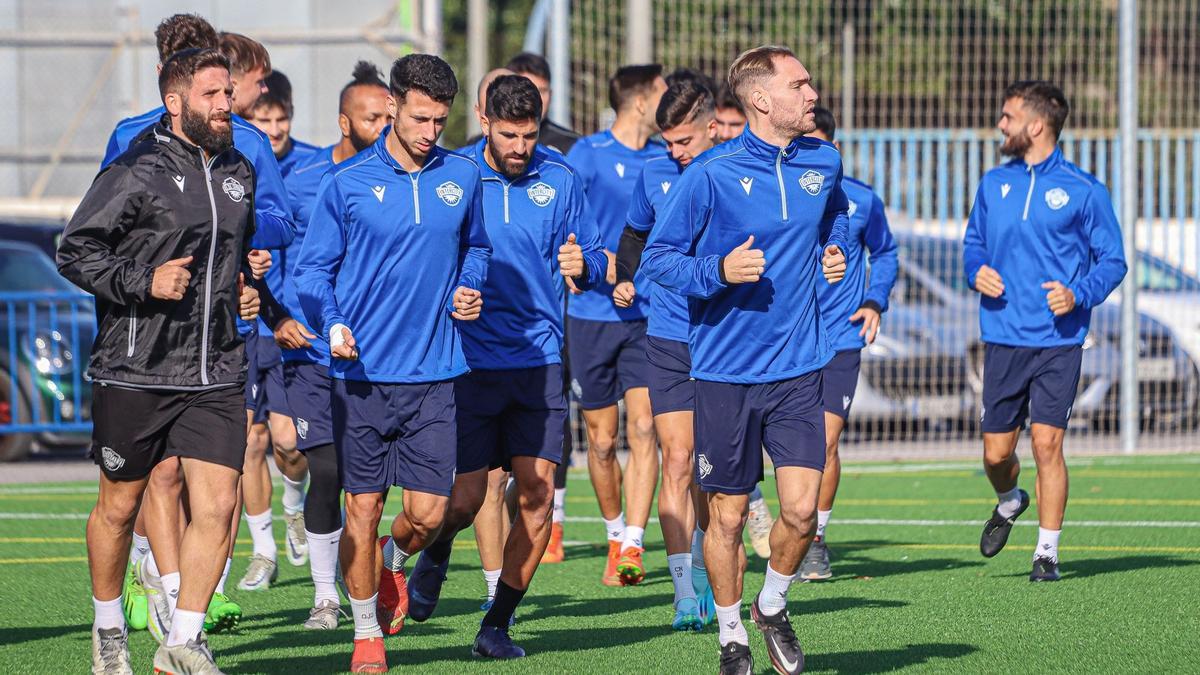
point(839, 380)
point(265, 380)
point(672, 388)
point(736, 422)
point(307, 386)
point(395, 435)
point(135, 429)
point(608, 358)
point(509, 413)
point(1038, 383)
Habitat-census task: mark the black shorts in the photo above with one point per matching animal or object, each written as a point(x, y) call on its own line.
point(672, 388)
point(134, 429)
point(1034, 382)
point(839, 380)
point(608, 358)
point(509, 413)
point(307, 387)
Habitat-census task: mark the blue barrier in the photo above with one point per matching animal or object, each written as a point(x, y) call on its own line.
point(45, 341)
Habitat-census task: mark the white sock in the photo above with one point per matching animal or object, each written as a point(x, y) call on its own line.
point(108, 614)
point(822, 522)
point(393, 557)
point(293, 495)
point(759, 504)
point(322, 563)
point(365, 623)
point(1009, 502)
point(151, 566)
point(261, 534)
point(224, 576)
point(699, 573)
point(633, 537)
point(729, 621)
point(170, 584)
point(138, 549)
point(560, 505)
point(185, 625)
point(615, 527)
point(772, 599)
point(1047, 546)
point(680, 565)
point(491, 578)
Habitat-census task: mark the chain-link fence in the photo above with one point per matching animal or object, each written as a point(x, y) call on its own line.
point(917, 87)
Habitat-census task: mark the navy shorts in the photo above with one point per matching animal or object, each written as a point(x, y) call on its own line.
point(1034, 382)
point(395, 434)
point(735, 422)
point(307, 387)
point(839, 379)
point(509, 413)
point(672, 388)
point(608, 358)
point(264, 380)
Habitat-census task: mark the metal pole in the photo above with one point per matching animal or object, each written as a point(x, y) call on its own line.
point(639, 27)
point(1128, 85)
point(560, 61)
point(847, 121)
point(431, 25)
point(535, 30)
point(477, 56)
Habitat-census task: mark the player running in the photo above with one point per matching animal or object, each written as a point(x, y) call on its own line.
point(757, 337)
point(272, 114)
point(362, 116)
point(686, 117)
point(511, 405)
point(1043, 248)
point(167, 361)
point(608, 353)
point(394, 255)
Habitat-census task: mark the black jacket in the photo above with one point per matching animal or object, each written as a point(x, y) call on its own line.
point(556, 136)
point(159, 201)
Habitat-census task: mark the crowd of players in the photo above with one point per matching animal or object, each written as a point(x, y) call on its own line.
point(383, 312)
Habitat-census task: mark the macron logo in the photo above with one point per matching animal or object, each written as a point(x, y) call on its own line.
point(620, 169)
point(746, 183)
point(178, 182)
point(1004, 190)
point(666, 185)
point(378, 190)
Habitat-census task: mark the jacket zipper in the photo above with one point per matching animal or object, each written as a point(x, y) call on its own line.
point(506, 185)
point(782, 192)
point(416, 197)
point(212, 253)
point(1029, 195)
point(132, 330)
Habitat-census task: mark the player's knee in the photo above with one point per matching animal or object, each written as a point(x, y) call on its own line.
point(1047, 449)
point(426, 522)
point(364, 509)
point(677, 466)
point(802, 519)
point(641, 426)
point(537, 497)
point(602, 446)
point(462, 510)
point(727, 519)
point(166, 478)
point(117, 511)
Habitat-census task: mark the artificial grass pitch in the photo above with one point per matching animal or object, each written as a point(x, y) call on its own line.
point(910, 590)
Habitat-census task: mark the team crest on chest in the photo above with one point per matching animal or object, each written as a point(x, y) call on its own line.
point(234, 189)
point(450, 193)
point(541, 194)
point(812, 181)
point(1056, 198)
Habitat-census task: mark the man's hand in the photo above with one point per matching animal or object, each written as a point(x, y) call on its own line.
point(988, 282)
point(610, 275)
point(870, 321)
point(468, 303)
point(247, 300)
point(1060, 298)
point(570, 258)
point(624, 294)
point(744, 265)
point(833, 264)
point(572, 288)
point(341, 343)
point(291, 334)
point(260, 262)
point(171, 279)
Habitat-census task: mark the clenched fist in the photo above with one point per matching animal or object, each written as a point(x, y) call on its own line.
point(171, 279)
point(744, 265)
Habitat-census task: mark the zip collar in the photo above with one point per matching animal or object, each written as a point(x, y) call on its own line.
point(761, 149)
point(1046, 165)
point(381, 151)
point(173, 144)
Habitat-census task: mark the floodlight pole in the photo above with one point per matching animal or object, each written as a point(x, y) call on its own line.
point(639, 31)
point(1128, 86)
point(560, 60)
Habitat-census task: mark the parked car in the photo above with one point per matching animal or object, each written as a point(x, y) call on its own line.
point(44, 349)
point(1171, 296)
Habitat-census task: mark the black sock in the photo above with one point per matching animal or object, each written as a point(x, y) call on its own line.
point(503, 606)
point(439, 551)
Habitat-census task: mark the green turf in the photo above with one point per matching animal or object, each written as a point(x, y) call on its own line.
point(904, 597)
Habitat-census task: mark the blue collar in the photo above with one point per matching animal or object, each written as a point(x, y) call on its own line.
point(381, 151)
point(764, 150)
point(1051, 162)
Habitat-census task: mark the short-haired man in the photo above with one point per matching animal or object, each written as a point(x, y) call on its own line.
point(731, 119)
point(272, 114)
point(362, 116)
point(757, 338)
point(608, 343)
point(511, 405)
point(167, 360)
point(537, 69)
point(1042, 248)
point(689, 129)
point(853, 310)
point(395, 255)
point(157, 574)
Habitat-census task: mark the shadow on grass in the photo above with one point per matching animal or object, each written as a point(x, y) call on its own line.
point(15, 635)
point(850, 567)
point(886, 660)
point(1090, 567)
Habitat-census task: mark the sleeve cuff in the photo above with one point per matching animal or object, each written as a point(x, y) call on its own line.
point(721, 271)
point(871, 304)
